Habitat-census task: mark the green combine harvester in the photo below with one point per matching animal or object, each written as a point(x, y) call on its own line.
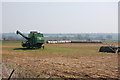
point(34, 40)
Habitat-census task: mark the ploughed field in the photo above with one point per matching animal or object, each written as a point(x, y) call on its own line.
point(58, 61)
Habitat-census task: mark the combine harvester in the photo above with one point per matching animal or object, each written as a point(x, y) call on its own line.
point(34, 40)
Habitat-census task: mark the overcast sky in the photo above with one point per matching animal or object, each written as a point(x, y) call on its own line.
point(60, 17)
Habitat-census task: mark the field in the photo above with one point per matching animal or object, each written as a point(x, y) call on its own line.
point(58, 61)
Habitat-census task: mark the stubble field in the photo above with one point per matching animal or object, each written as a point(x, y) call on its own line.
point(58, 61)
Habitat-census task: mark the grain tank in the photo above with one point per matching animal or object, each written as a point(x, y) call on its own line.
point(33, 40)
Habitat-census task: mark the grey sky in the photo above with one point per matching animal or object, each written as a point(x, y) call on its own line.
point(0, 18)
point(60, 0)
point(60, 17)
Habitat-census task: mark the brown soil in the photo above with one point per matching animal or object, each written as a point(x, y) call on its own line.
point(77, 67)
point(31, 66)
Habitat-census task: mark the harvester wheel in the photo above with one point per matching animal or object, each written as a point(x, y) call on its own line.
point(43, 47)
point(28, 46)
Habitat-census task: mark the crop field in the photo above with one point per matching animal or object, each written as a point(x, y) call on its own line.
point(58, 61)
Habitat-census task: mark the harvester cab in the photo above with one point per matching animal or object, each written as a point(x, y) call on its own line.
point(33, 40)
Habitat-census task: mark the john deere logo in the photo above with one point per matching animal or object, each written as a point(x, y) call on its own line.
point(39, 38)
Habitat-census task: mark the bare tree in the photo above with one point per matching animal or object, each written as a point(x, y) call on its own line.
point(79, 36)
point(109, 37)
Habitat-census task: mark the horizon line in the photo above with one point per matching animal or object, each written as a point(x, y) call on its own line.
point(59, 1)
point(72, 33)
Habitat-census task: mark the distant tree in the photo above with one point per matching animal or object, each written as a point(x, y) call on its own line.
point(109, 37)
point(64, 37)
point(87, 37)
point(10, 38)
point(100, 37)
point(3, 38)
point(79, 36)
